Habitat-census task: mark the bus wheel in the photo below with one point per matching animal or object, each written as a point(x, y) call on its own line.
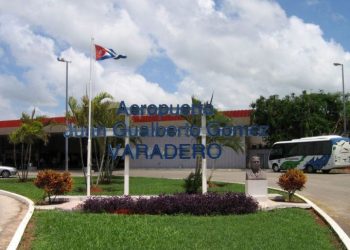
point(275, 168)
point(309, 169)
point(326, 171)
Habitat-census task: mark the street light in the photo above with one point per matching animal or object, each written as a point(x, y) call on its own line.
point(344, 109)
point(61, 59)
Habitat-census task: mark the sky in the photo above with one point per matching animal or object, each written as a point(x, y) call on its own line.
point(238, 50)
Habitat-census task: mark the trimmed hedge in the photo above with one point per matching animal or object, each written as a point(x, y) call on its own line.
point(195, 204)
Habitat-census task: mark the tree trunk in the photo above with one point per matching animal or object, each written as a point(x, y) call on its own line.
point(96, 155)
point(14, 155)
point(198, 158)
point(22, 155)
point(290, 195)
point(29, 160)
point(20, 173)
point(212, 172)
point(82, 160)
point(101, 167)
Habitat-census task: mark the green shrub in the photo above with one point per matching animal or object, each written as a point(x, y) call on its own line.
point(193, 183)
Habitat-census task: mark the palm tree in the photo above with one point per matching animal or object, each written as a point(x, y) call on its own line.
point(31, 130)
point(79, 116)
point(231, 142)
point(104, 115)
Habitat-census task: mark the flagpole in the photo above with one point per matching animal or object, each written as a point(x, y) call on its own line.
point(88, 175)
point(204, 160)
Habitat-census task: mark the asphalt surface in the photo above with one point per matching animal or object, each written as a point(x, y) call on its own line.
point(11, 214)
point(329, 191)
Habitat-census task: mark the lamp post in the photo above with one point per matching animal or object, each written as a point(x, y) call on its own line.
point(344, 109)
point(61, 59)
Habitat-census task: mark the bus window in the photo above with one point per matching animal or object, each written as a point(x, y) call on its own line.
point(306, 148)
point(276, 152)
point(313, 148)
point(323, 148)
point(292, 149)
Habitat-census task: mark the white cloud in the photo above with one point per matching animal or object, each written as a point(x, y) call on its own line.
point(134, 89)
point(75, 22)
point(243, 50)
point(238, 49)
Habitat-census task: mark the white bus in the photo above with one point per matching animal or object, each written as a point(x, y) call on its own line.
point(311, 154)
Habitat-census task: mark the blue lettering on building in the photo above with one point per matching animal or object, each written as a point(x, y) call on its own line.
point(168, 151)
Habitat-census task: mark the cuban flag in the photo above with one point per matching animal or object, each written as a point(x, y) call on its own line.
point(103, 53)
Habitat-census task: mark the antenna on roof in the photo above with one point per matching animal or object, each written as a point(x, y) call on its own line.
point(211, 99)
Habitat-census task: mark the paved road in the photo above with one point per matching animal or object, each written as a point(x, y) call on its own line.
point(11, 215)
point(329, 191)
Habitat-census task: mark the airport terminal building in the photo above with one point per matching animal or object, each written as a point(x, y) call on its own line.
point(52, 155)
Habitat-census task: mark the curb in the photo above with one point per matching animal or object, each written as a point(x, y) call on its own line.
point(336, 228)
point(22, 226)
point(334, 225)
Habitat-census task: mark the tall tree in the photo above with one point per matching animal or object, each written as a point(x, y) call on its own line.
point(309, 114)
point(232, 142)
point(78, 114)
point(103, 115)
point(31, 130)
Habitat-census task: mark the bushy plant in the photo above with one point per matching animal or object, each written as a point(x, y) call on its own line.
point(108, 204)
point(193, 183)
point(195, 204)
point(53, 183)
point(291, 181)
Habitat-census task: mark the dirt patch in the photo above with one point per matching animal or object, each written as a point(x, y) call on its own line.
point(317, 218)
point(333, 238)
point(96, 189)
point(28, 236)
point(214, 185)
point(284, 198)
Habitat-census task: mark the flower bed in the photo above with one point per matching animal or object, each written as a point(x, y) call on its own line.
point(195, 204)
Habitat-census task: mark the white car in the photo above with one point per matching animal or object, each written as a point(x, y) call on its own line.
point(6, 172)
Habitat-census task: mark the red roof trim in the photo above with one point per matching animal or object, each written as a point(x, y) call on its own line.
point(157, 118)
point(238, 113)
point(10, 123)
point(17, 123)
point(146, 118)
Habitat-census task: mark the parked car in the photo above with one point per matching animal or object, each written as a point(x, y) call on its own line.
point(6, 172)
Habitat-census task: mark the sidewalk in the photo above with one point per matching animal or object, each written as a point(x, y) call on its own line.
point(11, 216)
point(18, 211)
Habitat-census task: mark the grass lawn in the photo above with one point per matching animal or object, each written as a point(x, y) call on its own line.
point(278, 229)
